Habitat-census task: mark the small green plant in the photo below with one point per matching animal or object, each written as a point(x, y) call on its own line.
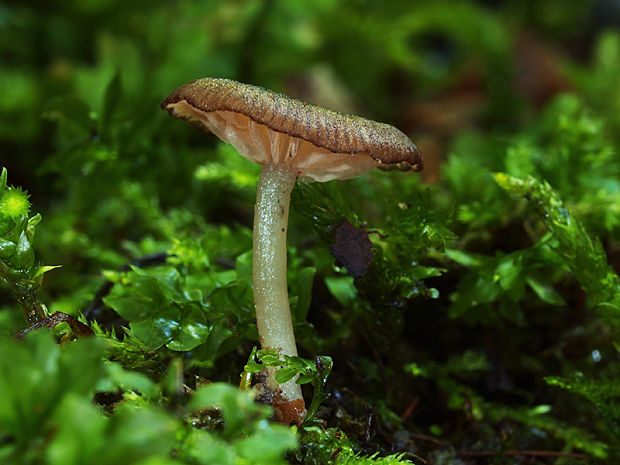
point(582, 255)
point(17, 262)
point(315, 372)
point(585, 258)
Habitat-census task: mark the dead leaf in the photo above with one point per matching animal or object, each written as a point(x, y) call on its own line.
point(352, 249)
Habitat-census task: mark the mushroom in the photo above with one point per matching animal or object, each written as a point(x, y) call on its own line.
point(292, 140)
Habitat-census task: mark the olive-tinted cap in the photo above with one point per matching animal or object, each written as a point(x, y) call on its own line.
point(268, 127)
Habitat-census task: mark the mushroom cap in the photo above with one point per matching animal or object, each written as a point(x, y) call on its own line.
point(268, 127)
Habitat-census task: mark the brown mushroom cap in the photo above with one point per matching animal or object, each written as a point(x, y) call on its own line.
point(268, 127)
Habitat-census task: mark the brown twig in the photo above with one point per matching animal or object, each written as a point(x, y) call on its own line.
point(78, 328)
point(410, 408)
point(424, 437)
point(531, 453)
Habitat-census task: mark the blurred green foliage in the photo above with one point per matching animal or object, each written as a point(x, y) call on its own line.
point(487, 322)
point(47, 415)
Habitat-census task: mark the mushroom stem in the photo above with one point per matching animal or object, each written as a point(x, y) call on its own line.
point(273, 314)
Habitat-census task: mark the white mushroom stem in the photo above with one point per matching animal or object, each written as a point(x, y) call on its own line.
point(273, 314)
